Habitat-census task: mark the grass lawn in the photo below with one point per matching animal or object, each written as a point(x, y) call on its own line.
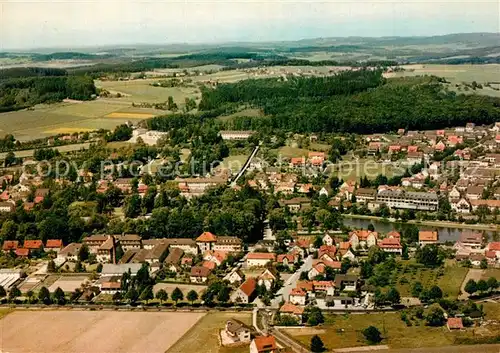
point(289, 152)
point(449, 278)
point(491, 272)
point(235, 163)
point(354, 170)
point(249, 112)
point(203, 337)
point(343, 331)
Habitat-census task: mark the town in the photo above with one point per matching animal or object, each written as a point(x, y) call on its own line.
point(307, 262)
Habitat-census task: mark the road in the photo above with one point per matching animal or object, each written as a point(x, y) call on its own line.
point(474, 274)
point(483, 348)
point(243, 170)
point(291, 283)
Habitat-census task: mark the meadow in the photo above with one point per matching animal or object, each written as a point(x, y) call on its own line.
point(342, 331)
point(60, 118)
point(204, 336)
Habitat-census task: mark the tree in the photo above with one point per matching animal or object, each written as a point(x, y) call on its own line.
point(484, 264)
point(372, 335)
point(132, 295)
point(117, 296)
point(83, 253)
point(44, 296)
point(192, 296)
point(318, 242)
point(317, 344)
point(314, 316)
point(429, 256)
point(223, 295)
point(492, 283)
point(162, 295)
point(14, 293)
point(51, 266)
point(3, 293)
point(435, 293)
point(99, 268)
point(58, 296)
point(482, 285)
point(78, 267)
point(10, 159)
point(416, 289)
point(435, 316)
point(177, 295)
point(393, 296)
point(30, 296)
point(471, 287)
point(147, 294)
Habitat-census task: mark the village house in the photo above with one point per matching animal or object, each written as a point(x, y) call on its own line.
point(296, 204)
point(471, 240)
point(267, 279)
point(426, 237)
point(157, 254)
point(7, 207)
point(327, 253)
point(205, 241)
point(228, 244)
point(494, 247)
point(107, 251)
point(287, 260)
point(256, 259)
point(53, 245)
point(474, 192)
point(460, 206)
point(185, 244)
point(22, 252)
point(327, 240)
point(491, 204)
point(173, 259)
point(363, 238)
point(193, 187)
point(199, 274)
point(235, 276)
point(391, 245)
point(246, 293)
point(33, 245)
point(292, 310)
point(346, 283)
point(69, 252)
point(94, 241)
point(237, 331)
point(454, 323)
point(263, 344)
point(298, 296)
point(10, 245)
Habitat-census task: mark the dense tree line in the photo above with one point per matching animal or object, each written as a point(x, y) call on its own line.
point(359, 102)
point(20, 93)
point(17, 72)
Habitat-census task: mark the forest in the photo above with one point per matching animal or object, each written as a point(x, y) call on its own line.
point(24, 92)
point(358, 102)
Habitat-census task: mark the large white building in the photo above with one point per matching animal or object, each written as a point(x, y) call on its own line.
point(425, 201)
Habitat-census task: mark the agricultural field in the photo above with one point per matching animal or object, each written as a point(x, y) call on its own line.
point(457, 74)
point(491, 272)
point(204, 336)
point(234, 163)
point(342, 331)
point(141, 91)
point(449, 279)
point(48, 120)
point(62, 149)
point(111, 332)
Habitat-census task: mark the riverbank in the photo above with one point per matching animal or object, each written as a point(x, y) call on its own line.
point(441, 224)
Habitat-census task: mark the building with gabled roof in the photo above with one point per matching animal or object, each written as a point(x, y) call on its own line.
point(53, 245)
point(246, 293)
point(9, 245)
point(292, 310)
point(264, 344)
point(426, 237)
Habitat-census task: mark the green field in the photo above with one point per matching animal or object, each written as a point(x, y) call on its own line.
point(356, 169)
point(343, 331)
point(49, 120)
point(139, 91)
point(203, 337)
point(449, 279)
point(235, 163)
point(457, 74)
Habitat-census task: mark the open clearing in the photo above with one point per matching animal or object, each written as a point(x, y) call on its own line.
point(343, 331)
point(141, 91)
point(204, 336)
point(449, 279)
point(92, 331)
point(68, 283)
point(47, 120)
point(185, 288)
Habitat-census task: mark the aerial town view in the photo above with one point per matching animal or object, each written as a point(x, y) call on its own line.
point(278, 177)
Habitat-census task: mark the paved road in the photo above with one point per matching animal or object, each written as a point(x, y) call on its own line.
point(291, 283)
point(474, 274)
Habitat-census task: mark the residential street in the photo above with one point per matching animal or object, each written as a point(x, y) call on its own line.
point(291, 283)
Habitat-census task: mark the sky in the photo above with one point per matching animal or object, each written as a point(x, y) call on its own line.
point(77, 23)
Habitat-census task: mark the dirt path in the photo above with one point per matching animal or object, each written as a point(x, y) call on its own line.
point(474, 274)
point(483, 348)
